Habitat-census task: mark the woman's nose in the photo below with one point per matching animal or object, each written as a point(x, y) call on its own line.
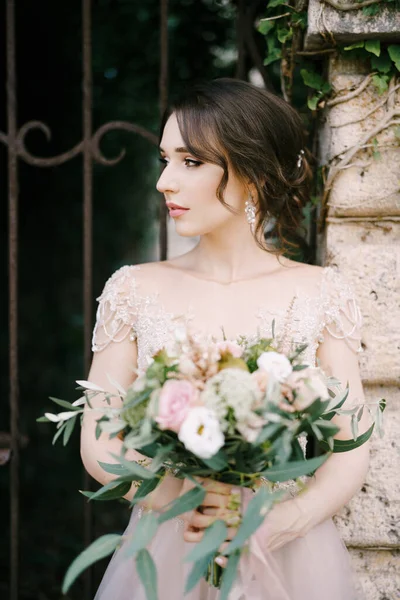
point(166, 183)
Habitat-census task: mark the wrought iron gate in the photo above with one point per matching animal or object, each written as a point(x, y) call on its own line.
point(89, 147)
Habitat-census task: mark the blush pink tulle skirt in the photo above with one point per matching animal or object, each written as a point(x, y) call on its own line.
point(314, 567)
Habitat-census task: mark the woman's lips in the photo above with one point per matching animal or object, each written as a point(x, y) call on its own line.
point(177, 212)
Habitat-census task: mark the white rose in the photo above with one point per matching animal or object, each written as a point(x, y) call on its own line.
point(275, 364)
point(200, 432)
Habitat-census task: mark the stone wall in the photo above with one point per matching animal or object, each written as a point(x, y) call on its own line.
point(362, 236)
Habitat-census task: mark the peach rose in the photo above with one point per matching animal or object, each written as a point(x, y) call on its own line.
point(175, 399)
point(261, 378)
point(308, 385)
point(231, 347)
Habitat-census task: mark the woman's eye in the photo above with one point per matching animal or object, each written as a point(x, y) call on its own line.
point(192, 163)
point(189, 162)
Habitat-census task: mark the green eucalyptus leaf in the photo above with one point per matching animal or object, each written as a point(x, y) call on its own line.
point(69, 427)
point(114, 468)
point(340, 399)
point(43, 420)
point(189, 501)
point(133, 467)
point(145, 530)
point(147, 573)
point(229, 575)
point(346, 445)
point(216, 462)
point(198, 571)
point(99, 549)
point(105, 489)
point(114, 493)
point(257, 508)
point(212, 539)
point(65, 404)
point(145, 488)
point(295, 469)
point(59, 432)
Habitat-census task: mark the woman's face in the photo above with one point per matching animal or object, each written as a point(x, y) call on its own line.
point(191, 185)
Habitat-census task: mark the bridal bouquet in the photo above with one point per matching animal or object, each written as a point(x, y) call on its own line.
point(234, 412)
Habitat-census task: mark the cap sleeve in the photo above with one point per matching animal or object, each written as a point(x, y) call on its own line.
point(117, 310)
point(340, 312)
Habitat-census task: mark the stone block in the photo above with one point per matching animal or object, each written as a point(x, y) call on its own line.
point(347, 27)
point(370, 187)
point(369, 254)
point(372, 517)
point(378, 573)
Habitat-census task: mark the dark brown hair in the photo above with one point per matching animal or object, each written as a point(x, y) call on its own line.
point(257, 134)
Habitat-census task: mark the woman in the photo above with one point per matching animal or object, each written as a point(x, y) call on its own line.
point(235, 164)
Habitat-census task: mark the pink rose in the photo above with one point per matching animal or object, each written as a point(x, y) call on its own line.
point(175, 399)
point(231, 347)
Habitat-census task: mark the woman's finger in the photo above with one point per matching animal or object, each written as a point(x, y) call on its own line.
point(202, 520)
point(191, 535)
point(215, 500)
point(217, 487)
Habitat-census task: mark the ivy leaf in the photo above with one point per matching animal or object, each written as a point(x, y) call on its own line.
point(373, 46)
point(299, 19)
point(370, 11)
point(274, 3)
point(394, 53)
point(354, 46)
point(312, 79)
point(381, 63)
point(312, 102)
point(284, 34)
point(381, 83)
point(265, 26)
point(275, 54)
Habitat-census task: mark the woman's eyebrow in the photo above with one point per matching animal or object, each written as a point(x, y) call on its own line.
point(180, 149)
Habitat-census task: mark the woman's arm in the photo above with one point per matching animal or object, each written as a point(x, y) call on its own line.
point(343, 474)
point(117, 360)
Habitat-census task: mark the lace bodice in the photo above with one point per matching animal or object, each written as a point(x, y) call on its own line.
point(125, 309)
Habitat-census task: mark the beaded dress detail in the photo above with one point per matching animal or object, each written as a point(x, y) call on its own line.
point(130, 309)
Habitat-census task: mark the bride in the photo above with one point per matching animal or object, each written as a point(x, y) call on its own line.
point(234, 163)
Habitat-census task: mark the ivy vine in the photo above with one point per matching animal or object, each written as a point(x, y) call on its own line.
point(283, 25)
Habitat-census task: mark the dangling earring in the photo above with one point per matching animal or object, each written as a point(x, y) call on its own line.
point(250, 211)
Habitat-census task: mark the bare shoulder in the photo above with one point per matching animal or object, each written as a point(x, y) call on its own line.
point(307, 276)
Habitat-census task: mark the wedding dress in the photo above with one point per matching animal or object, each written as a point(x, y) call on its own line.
point(137, 302)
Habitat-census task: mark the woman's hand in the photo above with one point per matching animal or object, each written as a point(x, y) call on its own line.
point(282, 524)
point(222, 501)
